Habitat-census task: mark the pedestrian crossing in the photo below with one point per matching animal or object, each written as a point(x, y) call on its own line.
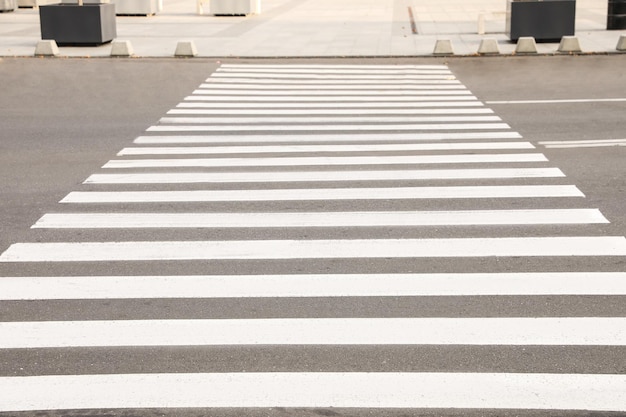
point(319, 236)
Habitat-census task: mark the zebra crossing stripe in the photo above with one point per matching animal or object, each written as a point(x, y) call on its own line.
point(396, 193)
point(328, 70)
point(374, 99)
point(333, 87)
point(187, 150)
point(195, 102)
point(331, 285)
point(437, 390)
point(328, 76)
point(320, 176)
point(335, 66)
point(315, 249)
point(318, 128)
point(544, 331)
point(325, 137)
point(328, 112)
point(320, 219)
point(327, 119)
point(391, 81)
point(296, 93)
point(324, 161)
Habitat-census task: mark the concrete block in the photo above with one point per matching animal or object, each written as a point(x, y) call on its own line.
point(186, 49)
point(526, 45)
point(443, 47)
point(121, 48)
point(569, 44)
point(488, 46)
point(621, 43)
point(46, 48)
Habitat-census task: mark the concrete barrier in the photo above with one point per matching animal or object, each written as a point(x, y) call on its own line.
point(46, 48)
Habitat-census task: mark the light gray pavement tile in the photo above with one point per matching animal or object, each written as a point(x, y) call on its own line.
point(316, 28)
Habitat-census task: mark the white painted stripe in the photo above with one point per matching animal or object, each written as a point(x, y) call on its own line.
point(326, 82)
point(396, 193)
point(332, 71)
point(531, 391)
point(327, 120)
point(325, 161)
point(311, 112)
point(315, 249)
point(318, 219)
point(334, 285)
point(320, 176)
point(584, 143)
point(594, 100)
point(301, 99)
point(320, 128)
point(325, 137)
point(318, 76)
point(561, 331)
point(193, 102)
point(334, 66)
point(188, 150)
point(333, 87)
point(330, 94)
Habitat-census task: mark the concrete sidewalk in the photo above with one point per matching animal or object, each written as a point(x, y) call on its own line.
point(316, 28)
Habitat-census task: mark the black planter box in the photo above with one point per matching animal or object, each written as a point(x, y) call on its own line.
point(71, 24)
point(544, 20)
point(616, 16)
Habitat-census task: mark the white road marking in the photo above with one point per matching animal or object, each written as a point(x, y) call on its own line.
point(559, 331)
point(532, 391)
point(584, 143)
point(334, 87)
point(315, 249)
point(296, 93)
point(339, 76)
point(325, 137)
point(333, 285)
point(593, 100)
point(327, 120)
point(179, 150)
point(324, 161)
point(276, 71)
point(320, 219)
point(393, 81)
point(335, 66)
point(194, 102)
point(373, 101)
point(327, 112)
point(399, 193)
point(320, 127)
point(320, 176)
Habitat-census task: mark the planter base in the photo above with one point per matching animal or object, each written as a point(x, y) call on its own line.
point(71, 24)
point(136, 7)
point(546, 21)
point(7, 5)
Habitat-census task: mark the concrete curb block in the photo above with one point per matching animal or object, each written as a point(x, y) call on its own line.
point(443, 47)
point(569, 44)
point(621, 44)
point(488, 46)
point(121, 48)
point(526, 45)
point(186, 49)
point(46, 48)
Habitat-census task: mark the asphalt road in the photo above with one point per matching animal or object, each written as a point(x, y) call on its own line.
point(63, 119)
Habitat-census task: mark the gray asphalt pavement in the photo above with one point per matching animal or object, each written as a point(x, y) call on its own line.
point(64, 119)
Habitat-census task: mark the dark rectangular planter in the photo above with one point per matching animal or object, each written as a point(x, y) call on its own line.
point(544, 20)
point(616, 15)
point(71, 24)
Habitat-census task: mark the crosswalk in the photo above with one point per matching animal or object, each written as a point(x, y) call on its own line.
point(319, 236)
